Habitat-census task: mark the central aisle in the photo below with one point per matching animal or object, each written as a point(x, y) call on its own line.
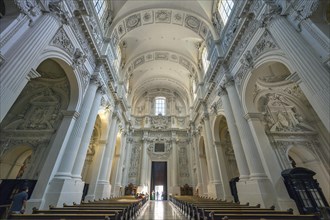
point(160, 210)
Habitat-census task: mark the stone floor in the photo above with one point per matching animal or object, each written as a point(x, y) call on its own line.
point(160, 210)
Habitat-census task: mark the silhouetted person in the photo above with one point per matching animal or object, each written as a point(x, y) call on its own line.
point(18, 205)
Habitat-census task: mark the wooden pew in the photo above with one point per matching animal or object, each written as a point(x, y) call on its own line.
point(63, 216)
point(205, 209)
point(218, 216)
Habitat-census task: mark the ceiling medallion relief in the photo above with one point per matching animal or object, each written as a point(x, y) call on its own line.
point(162, 55)
point(159, 16)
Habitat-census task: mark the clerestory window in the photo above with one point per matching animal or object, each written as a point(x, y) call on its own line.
point(225, 7)
point(160, 104)
point(99, 7)
point(205, 61)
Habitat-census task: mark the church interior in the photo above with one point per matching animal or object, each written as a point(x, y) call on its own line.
point(168, 101)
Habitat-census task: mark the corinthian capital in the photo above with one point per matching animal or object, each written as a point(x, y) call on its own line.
point(273, 9)
point(96, 79)
point(228, 81)
point(222, 91)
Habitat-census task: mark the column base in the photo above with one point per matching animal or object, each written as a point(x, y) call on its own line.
point(198, 190)
point(31, 203)
point(117, 190)
point(63, 191)
point(103, 190)
point(175, 190)
point(215, 190)
point(257, 191)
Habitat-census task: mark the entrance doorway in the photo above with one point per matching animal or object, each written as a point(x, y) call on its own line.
point(158, 189)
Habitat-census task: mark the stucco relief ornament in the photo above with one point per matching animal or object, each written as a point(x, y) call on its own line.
point(79, 58)
point(247, 60)
point(62, 40)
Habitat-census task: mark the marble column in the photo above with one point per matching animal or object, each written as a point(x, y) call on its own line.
point(103, 187)
point(97, 162)
point(86, 138)
point(258, 189)
point(144, 164)
point(127, 160)
point(223, 171)
point(119, 173)
point(199, 186)
point(71, 151)
point(234, 137)
point(175, 187)
point(250, 151)
point(271, 163)
point(39, 197)
point(315, 77)
point(21, 57)
point(215, 188)
point(63, 188)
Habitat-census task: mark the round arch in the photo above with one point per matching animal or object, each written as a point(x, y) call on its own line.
point(64, 60)
point(248, 82)
point(13, 160)
point(304, 157)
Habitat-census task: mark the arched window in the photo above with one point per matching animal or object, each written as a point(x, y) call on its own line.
point(99, 7)
point(118, 60)
point(225, 7)
point(160, 105)
point(205, 61)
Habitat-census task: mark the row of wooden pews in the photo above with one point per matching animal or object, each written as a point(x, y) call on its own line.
point(120, 208)
point(198, 208)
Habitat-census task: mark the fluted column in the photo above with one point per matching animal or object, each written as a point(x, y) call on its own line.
point(314, 76)
point(250, 150)
point(272, 164)
point(103, 185)
point(234, 137)
point(223, 171)
point(119, 172)
point(38, 197)
point(127, 159)
point(71, 150)
point(112, 145)
point(215, 188)
point(145, 159)
point(258, 189)
point(175, 161)
point(198, 167)
point(81, 155)
point(21, 57)
point(96, 171)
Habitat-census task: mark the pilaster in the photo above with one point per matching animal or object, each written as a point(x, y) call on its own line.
point(305, 62)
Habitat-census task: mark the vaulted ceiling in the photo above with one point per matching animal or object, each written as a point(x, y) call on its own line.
point(160, 42)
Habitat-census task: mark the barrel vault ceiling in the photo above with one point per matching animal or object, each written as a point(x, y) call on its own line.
point(160, 42)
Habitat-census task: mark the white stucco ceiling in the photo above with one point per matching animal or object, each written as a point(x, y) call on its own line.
point(162, 39)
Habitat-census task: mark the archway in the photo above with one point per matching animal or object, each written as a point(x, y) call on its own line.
point(300, 156)
point(280, 116)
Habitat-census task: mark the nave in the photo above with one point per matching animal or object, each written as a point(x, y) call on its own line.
point(160, 210)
